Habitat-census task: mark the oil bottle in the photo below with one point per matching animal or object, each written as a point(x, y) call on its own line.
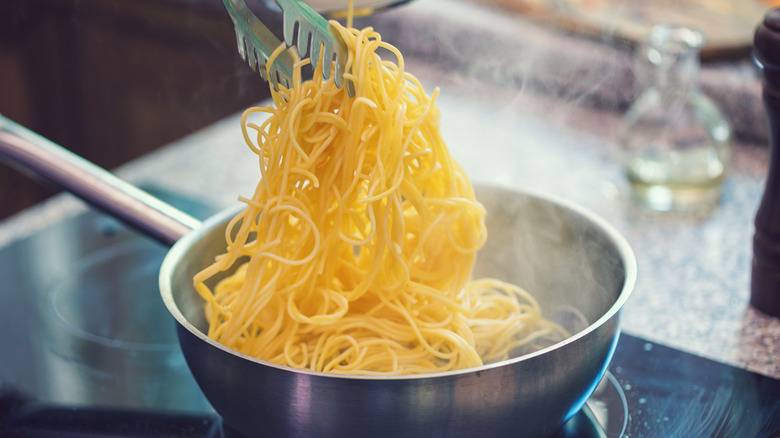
point(676, 142)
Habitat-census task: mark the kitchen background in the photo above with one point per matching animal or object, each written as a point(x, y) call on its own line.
point(533, 96)
point(114, 79)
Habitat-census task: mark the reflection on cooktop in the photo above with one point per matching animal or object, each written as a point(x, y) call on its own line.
point(605, 414)
point(675, 394)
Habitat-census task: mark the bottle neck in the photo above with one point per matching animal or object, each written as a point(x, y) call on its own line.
point(672, 54)
point(677, 71)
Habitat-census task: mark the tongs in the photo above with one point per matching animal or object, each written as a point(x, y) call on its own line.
point(256, 42)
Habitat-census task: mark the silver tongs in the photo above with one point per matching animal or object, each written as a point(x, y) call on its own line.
point(256, 42)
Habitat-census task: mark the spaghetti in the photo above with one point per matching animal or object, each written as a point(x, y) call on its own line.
point(355, 253)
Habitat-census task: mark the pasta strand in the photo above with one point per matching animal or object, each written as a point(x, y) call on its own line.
point(356, 251)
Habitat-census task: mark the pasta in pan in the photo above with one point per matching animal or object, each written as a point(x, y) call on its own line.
point(355, 253)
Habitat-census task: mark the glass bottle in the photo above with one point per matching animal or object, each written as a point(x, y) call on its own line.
point(677, 144)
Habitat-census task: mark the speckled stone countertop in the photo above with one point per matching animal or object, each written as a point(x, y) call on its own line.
point(694, 272)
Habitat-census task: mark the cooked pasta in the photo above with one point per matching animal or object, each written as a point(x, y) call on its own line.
point(355, 253)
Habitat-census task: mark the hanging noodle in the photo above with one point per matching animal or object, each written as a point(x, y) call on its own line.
point(356, 250)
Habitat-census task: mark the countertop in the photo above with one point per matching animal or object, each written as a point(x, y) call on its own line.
point(693, 281)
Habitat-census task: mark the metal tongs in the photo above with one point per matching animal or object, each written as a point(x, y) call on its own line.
point(256, 42)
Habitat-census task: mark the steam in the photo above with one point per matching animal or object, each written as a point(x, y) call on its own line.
point(493, 47)
point(566, 261)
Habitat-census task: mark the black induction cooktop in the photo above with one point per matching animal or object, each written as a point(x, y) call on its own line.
point(78, 362)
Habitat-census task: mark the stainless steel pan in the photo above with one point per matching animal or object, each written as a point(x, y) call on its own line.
point(581, 270)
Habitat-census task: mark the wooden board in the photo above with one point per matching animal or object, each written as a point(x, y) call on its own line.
point(728, 24)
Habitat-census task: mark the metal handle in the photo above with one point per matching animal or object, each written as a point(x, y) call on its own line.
point(256, 43)
point(30, 152)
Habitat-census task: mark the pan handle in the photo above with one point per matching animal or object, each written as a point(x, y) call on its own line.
point(45, 160)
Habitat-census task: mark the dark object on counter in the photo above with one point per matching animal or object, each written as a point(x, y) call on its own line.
point(765, 287)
